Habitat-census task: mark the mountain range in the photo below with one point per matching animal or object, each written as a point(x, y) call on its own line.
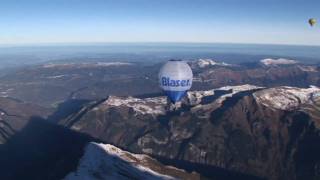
point(239, 121)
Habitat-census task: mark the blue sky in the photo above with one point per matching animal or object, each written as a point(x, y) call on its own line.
point(235, 21)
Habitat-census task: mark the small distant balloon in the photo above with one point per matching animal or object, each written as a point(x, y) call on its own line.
point(175, 78)
point(312, 22)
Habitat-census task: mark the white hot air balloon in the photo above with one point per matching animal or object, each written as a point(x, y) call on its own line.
point(175, 78)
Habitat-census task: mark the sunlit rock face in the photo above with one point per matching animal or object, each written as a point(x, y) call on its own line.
point(105, 161)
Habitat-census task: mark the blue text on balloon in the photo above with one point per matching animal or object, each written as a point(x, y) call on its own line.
point(166, 81)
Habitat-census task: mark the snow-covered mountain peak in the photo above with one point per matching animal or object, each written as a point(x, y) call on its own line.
point(286, 98)
point(202, 63)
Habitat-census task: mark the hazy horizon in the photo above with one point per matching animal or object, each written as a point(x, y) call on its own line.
point(153, 52)
point(53, 44)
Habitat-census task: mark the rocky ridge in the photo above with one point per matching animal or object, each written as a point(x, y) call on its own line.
point(105, 161)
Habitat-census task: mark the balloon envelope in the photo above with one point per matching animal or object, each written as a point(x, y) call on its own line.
point(312, 21)
point(175, 78)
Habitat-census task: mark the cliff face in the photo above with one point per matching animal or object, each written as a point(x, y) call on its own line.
point(270, 133)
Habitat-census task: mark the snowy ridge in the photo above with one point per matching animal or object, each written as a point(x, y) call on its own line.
point(240, 88)
point(286, 98)
point(104, 161)
point(280, 61)
point(154, 106)
point(237, 89)
point(195, 98)
point(202, 63)
point(157, 105)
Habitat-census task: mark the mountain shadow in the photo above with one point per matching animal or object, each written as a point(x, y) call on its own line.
point(207, 171)
point(41, 151)
point(66, 108)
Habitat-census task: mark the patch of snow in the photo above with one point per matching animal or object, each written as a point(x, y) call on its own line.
point(56, 77)
point(308, 68)
point(10, 89)
point(6, 93)
point(280, 61)
point(104, 161)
